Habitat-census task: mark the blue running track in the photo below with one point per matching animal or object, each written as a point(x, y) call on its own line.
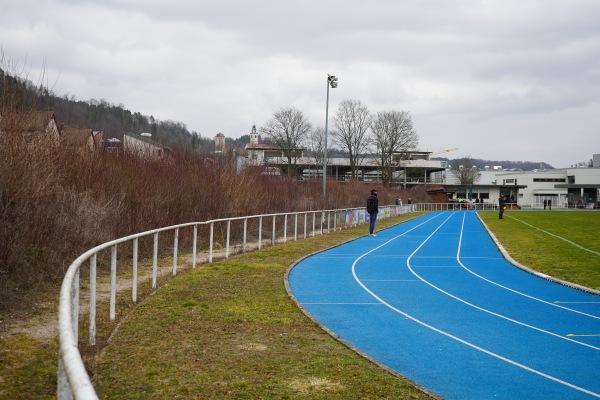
point(434, 300)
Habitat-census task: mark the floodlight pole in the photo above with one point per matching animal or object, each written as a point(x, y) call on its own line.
point(331, 81)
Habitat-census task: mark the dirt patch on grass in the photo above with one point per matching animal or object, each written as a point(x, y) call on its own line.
point(314, 384)
point(252, 347)
point(42, 328)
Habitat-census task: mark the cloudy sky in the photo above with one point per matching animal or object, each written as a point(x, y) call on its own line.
point(498, 79)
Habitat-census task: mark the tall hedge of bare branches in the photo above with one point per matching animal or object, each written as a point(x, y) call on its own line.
point(55, 204)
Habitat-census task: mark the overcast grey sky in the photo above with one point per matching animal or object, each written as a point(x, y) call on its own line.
point(499, 79)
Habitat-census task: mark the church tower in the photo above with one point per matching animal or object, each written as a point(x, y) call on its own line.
point(253, 135)
point(220, 143)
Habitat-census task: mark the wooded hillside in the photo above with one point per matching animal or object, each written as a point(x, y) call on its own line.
point(101, 115)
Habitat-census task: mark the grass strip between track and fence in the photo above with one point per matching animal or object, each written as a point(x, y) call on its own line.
point(229, 329)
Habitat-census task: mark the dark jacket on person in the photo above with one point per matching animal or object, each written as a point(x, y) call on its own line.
point(373, 204)
point(502, 201)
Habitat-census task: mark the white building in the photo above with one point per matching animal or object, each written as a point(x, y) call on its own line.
point(564, 187)
point(142, 145)
point(487, 188)
point(263, 154)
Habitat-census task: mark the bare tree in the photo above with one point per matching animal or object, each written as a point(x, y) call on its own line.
point(394, 137)
point(288, 129)
point(352, 121)
point(465, 170)
point(315, 143)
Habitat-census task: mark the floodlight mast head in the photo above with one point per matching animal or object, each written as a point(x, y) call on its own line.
point(332, 81)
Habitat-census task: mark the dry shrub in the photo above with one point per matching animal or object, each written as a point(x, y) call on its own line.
point(55, 204)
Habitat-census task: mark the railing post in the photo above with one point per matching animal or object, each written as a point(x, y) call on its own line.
point(63, 390)
point(154, 260)
point(305, 222)
point(175, 248)
point(314, 223)
point(113, 282)
point(260, 232)
point(92, 330)
point(296, 227)
point(135, 271)
point(194, 246)
point(273, 233)
point(210, 246)
point(73, 379)
point(322, 222)
point(75, 305)
point(245, 230)
point(227, 240)
point(285, 229)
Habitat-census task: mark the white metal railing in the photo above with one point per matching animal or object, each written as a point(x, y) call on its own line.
point(485, 206)
point(73, 379)
point(455, 206)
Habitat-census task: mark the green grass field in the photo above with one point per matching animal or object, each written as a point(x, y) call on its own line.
point(229, 329)
point(539, 250)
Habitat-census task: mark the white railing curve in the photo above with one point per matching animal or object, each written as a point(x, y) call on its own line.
point(73, 380)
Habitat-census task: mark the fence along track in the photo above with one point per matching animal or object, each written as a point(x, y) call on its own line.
point(73, 381)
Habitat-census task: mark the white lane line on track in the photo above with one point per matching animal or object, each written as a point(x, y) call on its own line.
point(449, 335)
point(391, 280)
point(433, 257)
point(556, 236)
point(458, 258)
point(342, 304)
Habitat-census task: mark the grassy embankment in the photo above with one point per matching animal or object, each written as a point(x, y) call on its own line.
point(230, 330)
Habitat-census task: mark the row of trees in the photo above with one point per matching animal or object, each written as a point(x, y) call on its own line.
point(387, 136)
